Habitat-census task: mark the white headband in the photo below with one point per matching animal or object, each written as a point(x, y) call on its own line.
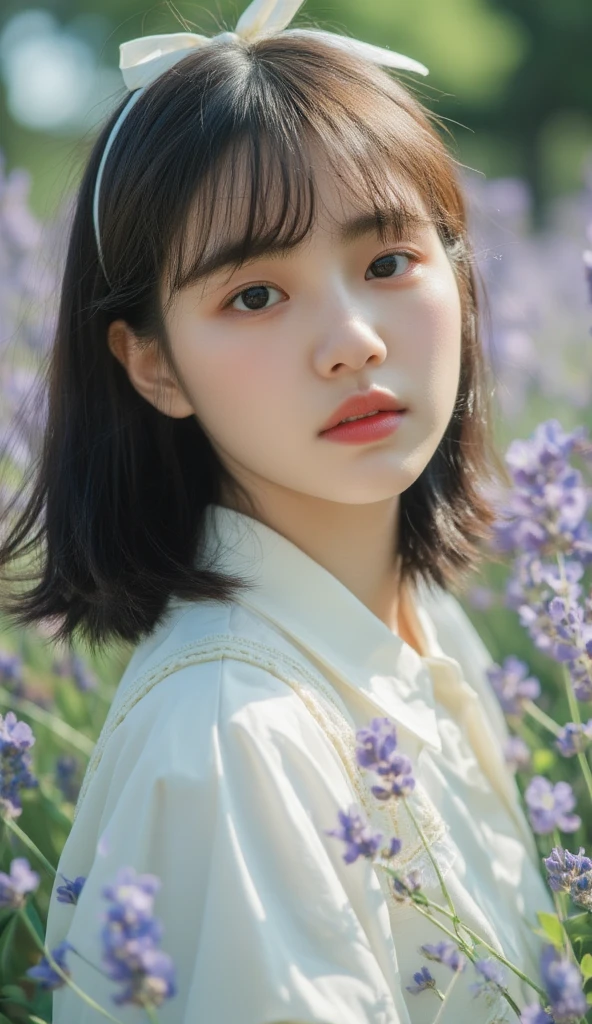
point(143, 60)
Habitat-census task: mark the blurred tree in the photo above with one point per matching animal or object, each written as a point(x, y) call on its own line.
point(509, 77)
point(552, 78)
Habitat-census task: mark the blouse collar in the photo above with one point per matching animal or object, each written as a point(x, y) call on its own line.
point(306, 601)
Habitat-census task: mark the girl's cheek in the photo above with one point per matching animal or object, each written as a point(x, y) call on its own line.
point(230, 380)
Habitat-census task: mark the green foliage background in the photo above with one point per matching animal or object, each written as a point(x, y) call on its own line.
point(512, 77)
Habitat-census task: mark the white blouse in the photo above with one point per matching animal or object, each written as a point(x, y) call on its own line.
point(227, 752)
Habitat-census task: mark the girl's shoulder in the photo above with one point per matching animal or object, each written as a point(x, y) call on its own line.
point(208, 668)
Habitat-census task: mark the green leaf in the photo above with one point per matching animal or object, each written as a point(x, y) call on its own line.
point(586, 966)
point(552, 928)
point(13, 994)
point(589, 998)
point(11, 991)
point(579, 926)
point(31, 912)
point(7, 966)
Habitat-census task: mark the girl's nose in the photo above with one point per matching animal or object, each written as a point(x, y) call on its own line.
point(347, 333)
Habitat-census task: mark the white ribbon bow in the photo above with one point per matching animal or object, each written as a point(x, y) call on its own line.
point(142, 60)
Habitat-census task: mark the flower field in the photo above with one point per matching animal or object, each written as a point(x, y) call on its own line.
point(531, 603)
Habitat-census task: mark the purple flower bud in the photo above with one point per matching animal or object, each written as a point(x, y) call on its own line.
point(512, 686)
point(356, 833)
point(445, 953)
point(11, 669)
point(549, 806)
point(574, 738)
point(15, 740)
point(130, 935)
point(45, 975)
point(572, 873)
point(15, 886)
point(517, 754)
point(67, 776)
point(493, 977)
point(423, 981)
point(378, 752)
point(563, 982)
point(404, 885)
point(70, 892)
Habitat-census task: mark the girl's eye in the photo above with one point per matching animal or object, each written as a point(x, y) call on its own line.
point(386, 264)
point(256, 296)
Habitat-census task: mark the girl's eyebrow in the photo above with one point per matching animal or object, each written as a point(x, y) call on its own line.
point(391, 220)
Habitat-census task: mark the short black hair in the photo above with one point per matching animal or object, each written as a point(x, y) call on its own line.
point(116, 509)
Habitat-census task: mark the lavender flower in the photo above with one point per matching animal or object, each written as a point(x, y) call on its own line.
point(67, 776)
point(11, 670)
point(563, 868)
point(547, 507)
point(45, 975)
point(70, 892)
point(445, 953)
point(512, 685)
point(534, 1014)
point(572, 873)
point(405, 885)
point(574, 738)
point(563, 982)
point(549, 609)
point(378, 753)
point(130, 936)
point(15, 886)
point(517, 754)
point(15, 740)
point(423, 981)
point(549, 806)
point(493, 977)
point(361, 840)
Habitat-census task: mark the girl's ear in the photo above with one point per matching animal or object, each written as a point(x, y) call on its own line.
point(145, 370)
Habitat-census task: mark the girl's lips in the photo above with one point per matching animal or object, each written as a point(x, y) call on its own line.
point(364, 431)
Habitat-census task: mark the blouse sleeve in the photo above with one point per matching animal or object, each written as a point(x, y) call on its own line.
point(220, 782)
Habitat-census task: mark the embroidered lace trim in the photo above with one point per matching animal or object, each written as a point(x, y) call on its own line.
point(329, 711)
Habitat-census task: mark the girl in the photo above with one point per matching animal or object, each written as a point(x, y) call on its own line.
point(270, 238)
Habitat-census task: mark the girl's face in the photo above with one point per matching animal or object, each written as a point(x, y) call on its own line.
point(268, 354)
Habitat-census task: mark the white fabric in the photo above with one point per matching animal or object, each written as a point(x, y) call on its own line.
point(227, 752)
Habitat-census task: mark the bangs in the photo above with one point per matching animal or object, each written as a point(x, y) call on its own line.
point(258, 196)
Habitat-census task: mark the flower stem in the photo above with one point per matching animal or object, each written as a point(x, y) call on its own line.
point(30, 844)
point(458, 941)
point(471, 954)
point(571, 697)
point(477, 938)
point(543, 719)
point(500, 957)
point(426, 845)
point(56, 967)
point(559, 898)
point(442, 1008)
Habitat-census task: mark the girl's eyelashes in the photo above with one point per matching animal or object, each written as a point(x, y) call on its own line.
point(260, 292)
